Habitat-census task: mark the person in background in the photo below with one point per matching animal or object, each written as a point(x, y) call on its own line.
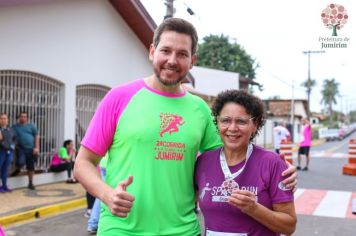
point(280, 133)
point(153, 129)
point(28, 145)
point(240, 185)
point(305, 143)
point(63, 160)
point(95, 213)
point(7, 146)
point(90, 203)
point(2, 233)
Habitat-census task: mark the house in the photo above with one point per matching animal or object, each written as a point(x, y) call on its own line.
point(281, 109)
point(316, 118)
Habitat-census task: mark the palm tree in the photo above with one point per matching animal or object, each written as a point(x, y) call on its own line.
point(329, 92)
point(309, 84)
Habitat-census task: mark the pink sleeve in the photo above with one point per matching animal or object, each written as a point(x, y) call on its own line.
point(102, 127)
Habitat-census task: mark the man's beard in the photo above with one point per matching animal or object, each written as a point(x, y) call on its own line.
point(170, 83)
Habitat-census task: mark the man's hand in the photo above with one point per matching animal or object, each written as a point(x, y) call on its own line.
point(291, 174)
point(35, 151)
point(120, 201)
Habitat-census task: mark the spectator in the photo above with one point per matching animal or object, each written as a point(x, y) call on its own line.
point(95, 213)
point(90, 203)
point(7, 146)
point(280, 133)
point(63, 160)
point(27, 150)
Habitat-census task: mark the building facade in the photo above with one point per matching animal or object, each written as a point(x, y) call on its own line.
point(59, 58)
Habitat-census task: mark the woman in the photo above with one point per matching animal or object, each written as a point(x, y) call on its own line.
point(240, 186)
point(63, 160)
point(7, 146)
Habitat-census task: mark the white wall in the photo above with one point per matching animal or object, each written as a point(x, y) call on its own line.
point(74, 41)
point(211, 81)
point(265, 137)
point(299, 109)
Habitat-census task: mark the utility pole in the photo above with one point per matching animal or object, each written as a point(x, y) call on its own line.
point(292, 112)
point(170, 9)
point(309, 81)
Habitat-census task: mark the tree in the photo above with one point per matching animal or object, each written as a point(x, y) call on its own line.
point(217, 52)
point(352, 115)
point(329, 92)
point(309, 84)
point(334, 17)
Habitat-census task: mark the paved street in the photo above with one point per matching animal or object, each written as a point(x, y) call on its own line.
point(323, 201)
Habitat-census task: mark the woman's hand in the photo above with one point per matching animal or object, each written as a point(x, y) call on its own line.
point(245, 200)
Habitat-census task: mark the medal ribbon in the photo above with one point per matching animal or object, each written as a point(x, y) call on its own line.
point(225, 168)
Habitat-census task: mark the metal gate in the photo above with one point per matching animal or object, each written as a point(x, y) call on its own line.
point(42, 98)
point(88, 97)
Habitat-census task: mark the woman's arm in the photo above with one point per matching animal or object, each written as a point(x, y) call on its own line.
point(281, 219)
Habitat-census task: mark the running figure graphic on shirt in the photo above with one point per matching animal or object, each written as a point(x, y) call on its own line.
point(170, 123)
point(205, 189)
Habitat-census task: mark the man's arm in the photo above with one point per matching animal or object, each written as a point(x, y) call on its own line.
point(85, 171)
point(291, 174)
point(36, 150)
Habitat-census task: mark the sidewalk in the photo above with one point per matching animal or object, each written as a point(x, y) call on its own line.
point(24, 204)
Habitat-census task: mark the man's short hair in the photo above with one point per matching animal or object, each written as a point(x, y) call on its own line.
point(177, 25)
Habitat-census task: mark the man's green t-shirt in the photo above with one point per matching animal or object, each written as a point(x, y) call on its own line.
point(155, 137)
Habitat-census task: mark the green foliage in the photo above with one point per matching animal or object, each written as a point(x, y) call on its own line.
point(352, 116)
point(315, 133)
point(309, 84)
point(218, 53)
point(329, 92)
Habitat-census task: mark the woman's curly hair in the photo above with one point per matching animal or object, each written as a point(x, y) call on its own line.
point(252, 104)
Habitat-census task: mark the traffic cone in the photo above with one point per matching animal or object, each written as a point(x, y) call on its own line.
point(286, 150)
point(350, 168)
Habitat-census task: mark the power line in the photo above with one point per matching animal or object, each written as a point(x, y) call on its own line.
point(281, 80)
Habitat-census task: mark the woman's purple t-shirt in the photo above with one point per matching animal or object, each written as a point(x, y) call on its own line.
point(262, 175)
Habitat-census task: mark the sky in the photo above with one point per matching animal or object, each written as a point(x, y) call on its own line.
point(276, 33)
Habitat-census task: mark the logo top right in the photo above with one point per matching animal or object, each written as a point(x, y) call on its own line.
point(334, 17)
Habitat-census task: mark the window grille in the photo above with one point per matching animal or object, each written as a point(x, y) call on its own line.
point(42, 98)
point(88, 97)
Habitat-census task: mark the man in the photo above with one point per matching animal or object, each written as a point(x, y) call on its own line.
point(280, 133)
point(27, 149)
point(305, 143)
point(7, 146)
point(153, 130)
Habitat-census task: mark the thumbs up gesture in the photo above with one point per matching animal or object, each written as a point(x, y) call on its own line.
point(120, 202)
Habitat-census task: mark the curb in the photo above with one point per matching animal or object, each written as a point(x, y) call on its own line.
point(41, 212)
